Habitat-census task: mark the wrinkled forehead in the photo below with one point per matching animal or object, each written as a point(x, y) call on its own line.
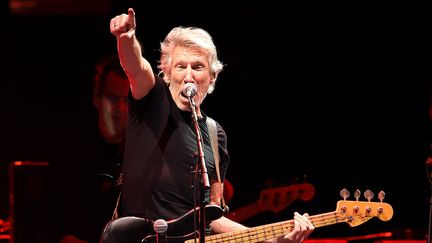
point(191, 50)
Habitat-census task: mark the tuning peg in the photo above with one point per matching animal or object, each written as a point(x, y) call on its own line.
point(381, 196)
point(357, 194)
point(368, 194)
point(344, 193)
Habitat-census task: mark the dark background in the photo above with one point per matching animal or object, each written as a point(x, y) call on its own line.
point(334, 94)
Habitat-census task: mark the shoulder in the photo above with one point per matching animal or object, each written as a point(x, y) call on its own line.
point(160, 89)
point(219, 129)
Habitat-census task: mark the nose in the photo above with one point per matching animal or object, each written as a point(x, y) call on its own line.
point(189, 74)
point(121, 106)
point(124, 105)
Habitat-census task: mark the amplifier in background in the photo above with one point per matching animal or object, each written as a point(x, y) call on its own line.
point(28, 202)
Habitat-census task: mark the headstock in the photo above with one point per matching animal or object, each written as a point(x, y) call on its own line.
point(357, 212)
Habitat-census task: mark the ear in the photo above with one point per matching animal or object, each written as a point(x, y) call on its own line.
point(214, 77)
point(96, 100)
point(212, 80)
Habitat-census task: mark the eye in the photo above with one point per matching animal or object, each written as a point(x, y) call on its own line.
point(180, 67)
point(113, 99)
point(198, 67)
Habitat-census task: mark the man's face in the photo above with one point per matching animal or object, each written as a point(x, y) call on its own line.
point(112, 106)
point(189, 65)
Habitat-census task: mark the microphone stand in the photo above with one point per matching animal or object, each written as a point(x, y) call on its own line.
point(205, 182)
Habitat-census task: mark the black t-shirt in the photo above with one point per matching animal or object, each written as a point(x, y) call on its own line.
point(159, 157)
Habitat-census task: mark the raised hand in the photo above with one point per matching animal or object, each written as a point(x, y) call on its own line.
point(123, 24)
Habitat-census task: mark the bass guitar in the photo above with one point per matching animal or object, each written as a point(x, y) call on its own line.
point(139, 230)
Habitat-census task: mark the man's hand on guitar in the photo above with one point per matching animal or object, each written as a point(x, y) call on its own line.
point(301, 230)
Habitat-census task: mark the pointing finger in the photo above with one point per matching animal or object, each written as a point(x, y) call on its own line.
point(131, 13)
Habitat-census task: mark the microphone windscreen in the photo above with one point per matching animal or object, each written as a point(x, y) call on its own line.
point(160, 226)
point(189, 90)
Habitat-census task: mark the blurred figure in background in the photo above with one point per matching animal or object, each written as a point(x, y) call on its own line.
point(97, 190)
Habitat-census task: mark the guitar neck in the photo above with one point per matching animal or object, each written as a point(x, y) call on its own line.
point(244, 212)
point(271, 231)
point(352, 212)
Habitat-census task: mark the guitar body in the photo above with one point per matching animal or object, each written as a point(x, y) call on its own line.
point(170, 239)
point(136, 230)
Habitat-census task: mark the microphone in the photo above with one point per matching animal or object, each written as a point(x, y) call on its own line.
point(160, 226)
point(189, 90)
